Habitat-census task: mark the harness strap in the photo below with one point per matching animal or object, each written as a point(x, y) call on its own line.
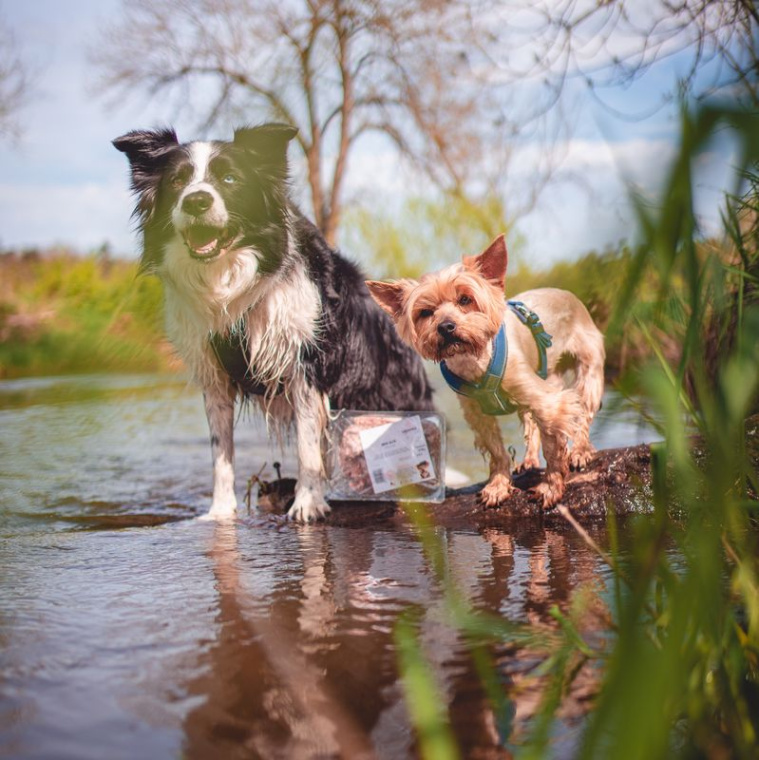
point(487, 391)
point(542, 339)
point(233, 355)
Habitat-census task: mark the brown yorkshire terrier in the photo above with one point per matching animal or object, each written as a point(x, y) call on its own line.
point(539, 354)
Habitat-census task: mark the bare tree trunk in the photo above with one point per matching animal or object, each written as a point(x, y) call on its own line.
point(314, 150)
point(313, 158)
point(332, 217)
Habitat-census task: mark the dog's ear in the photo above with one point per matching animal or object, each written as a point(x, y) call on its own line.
point(148, 153)
point(146, 147)
point(268, 141)
point(491, 263)
point(390, 296)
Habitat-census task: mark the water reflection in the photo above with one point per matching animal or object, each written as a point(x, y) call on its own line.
point(264, 697)
point(124, 634)
point(304, 665)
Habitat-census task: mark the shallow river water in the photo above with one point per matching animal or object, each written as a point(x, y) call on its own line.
point(128, 629)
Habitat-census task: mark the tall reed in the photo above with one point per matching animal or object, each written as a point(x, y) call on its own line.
point(680, 670)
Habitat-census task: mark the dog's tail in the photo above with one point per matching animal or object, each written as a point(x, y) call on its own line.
point(590, 354)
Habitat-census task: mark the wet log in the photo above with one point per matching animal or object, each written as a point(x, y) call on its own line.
point(616, 480)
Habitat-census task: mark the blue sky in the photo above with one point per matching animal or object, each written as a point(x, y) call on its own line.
point(63, 183)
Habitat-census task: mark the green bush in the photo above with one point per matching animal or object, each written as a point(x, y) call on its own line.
point(61, 313)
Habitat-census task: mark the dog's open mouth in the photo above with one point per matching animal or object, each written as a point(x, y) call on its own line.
point(205, 242)
point(449, 346)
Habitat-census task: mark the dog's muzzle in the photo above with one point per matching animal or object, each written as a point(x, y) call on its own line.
point(448, 340)
point(204, 240)
point(197, 203)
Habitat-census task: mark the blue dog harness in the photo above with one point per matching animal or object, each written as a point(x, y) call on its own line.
point(487, 392)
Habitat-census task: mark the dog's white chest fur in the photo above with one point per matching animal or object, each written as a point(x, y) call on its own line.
point(279, 313)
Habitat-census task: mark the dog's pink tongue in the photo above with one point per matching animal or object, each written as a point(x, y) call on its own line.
point(202, 239)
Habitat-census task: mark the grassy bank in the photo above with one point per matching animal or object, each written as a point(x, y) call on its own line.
point(61, 313)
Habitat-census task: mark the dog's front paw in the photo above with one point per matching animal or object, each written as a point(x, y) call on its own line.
point(221, 509)
point(528, 463)
point(497, 491)
point(580, 457)
point(308, 506)
point(550, 491)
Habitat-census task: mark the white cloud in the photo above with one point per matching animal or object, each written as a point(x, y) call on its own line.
point(595, 209)
point(82, 215)
point(589, 208)
point(375, 167)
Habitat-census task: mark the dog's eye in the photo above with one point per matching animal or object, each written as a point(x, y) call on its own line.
point(181, 177)
point(229, 179)
point(465, 301)
point(426, 313)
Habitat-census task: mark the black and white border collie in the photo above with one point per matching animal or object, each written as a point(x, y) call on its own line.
point(257, 304)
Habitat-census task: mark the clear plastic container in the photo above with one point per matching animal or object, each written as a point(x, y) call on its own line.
point(387, 456)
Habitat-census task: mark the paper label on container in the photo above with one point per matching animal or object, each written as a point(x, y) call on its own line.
point(397, 454)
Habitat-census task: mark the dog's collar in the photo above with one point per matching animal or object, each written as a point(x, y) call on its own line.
point(487, 391)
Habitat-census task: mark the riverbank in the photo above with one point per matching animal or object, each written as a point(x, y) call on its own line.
point(64, 313)
point(61, 314)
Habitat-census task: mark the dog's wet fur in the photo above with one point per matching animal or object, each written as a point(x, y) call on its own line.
point(453, 316)
point(237, 257)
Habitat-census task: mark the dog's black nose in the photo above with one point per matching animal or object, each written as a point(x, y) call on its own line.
point(446, 327)
point(197, 203)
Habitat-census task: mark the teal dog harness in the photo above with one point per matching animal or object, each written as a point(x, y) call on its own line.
point(487, 392)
